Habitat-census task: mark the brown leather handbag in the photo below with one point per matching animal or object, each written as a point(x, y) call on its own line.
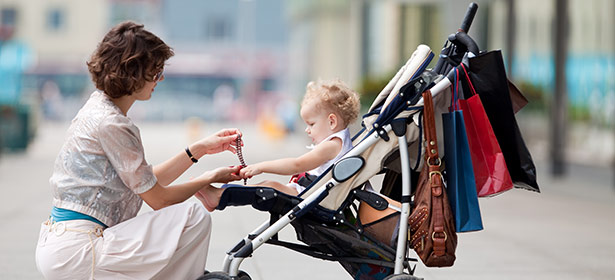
point(432, 225)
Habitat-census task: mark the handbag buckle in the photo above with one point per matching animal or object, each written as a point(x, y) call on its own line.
point(433, 236)
point(429, 162)
point(431, 173)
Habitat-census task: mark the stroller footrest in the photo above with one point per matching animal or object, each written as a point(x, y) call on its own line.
point(261, 198)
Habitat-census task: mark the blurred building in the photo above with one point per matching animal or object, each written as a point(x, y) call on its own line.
point(61, 35)
point(355, 40)
point(234, 53)
point(240, 44)
point(230, 56)
point(262, 50)
point(53, 39)
point(591, 54)
point(362, 39)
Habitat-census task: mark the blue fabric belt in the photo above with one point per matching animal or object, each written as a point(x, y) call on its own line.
point(61, 214)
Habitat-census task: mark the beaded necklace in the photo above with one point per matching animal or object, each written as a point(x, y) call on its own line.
point(240, 156)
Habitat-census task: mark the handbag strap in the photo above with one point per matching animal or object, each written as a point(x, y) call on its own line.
point(433, 163)
point(429, 128)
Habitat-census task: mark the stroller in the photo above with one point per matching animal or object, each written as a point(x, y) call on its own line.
point(338, 217)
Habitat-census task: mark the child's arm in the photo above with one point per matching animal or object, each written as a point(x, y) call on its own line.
point(288, 166)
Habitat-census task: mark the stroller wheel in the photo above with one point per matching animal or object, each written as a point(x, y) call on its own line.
point(219, 275)
point(402, 277)
point(242, 275)
point(216, 275)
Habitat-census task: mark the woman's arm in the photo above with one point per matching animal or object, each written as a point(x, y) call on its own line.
point(289, 166)
point(170, 170)
point(161, 196)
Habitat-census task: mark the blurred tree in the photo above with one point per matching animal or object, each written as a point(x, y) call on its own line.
point(559, 115)
point(370, 88)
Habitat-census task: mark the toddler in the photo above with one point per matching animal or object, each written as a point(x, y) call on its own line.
point(327, 109)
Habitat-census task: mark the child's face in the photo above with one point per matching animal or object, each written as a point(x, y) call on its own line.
point(317, 121)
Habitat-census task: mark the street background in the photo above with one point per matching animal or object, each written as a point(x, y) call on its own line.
point(562, 233)
point(245, 64)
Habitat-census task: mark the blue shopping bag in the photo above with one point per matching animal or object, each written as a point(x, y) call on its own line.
point(461, 187)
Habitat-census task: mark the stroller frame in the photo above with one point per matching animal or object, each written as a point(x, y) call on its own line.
point(268, 230)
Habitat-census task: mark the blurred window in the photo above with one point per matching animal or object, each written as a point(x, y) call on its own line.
point(8, 17)
point(193, 84)
point(55, 19)
point(70, 85)
point(218, 29)
point(268, 84)
point(139, 11)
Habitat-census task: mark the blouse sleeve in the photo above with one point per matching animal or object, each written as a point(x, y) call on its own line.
point(121, 141)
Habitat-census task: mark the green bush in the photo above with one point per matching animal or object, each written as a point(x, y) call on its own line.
point(370, 88)
point(538, 100)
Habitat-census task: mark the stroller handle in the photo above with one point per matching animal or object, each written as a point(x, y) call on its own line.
point(461, 41)
point(462, 38)
point(468, 18)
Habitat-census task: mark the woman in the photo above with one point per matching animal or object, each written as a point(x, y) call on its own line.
point(101, 179)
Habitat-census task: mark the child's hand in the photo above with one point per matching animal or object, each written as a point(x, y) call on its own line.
point(249, 171)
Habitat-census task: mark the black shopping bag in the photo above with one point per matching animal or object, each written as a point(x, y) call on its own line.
point(488, 75)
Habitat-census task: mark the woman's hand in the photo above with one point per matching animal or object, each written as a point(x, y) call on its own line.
point(222, 175)
point(250, 170)
point(223, 140)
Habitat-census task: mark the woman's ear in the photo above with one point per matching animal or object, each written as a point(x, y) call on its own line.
point(333, 121)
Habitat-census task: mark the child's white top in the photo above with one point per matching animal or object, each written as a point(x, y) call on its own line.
point(343, 135)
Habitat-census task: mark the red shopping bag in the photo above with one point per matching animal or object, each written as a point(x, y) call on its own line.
point(490, 171)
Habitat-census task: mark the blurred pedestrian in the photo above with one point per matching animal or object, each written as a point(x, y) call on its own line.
point(15, 59)
point(101, 179)
point(15, 113)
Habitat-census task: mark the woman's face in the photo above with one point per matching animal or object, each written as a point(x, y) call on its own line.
point(317, 121)
point(145, 93)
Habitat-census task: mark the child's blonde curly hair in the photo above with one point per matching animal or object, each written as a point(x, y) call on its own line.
point(334, 96)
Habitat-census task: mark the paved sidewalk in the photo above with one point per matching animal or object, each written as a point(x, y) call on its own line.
point(563, 233)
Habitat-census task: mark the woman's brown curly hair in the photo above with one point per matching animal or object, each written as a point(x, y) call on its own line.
point(127, 57)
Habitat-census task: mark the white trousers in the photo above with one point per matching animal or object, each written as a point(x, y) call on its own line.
point(170, 243)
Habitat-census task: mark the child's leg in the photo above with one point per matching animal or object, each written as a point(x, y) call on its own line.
point(278, 186)
point(210, 197)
